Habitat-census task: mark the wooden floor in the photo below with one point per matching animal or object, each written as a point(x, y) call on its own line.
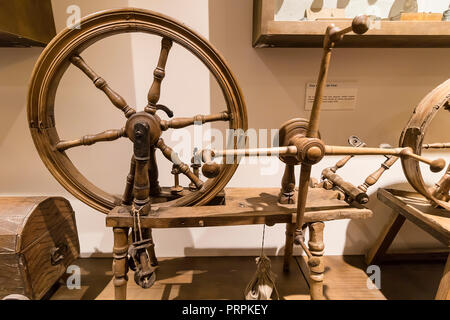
point(226, 278)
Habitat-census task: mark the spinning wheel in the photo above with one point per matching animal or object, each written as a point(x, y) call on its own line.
point(66, 48)
point(300, 141)
point(301, 144)
point(413, 136)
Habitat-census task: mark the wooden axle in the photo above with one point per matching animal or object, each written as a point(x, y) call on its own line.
point(435, 165)
point(442, 145)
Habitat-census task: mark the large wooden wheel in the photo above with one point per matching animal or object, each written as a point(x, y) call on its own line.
point(66, 49)
point(413, 136)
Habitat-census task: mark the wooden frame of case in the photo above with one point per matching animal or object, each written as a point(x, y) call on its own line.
point(392, 34)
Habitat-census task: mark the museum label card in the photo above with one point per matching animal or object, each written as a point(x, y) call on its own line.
point(336, 96)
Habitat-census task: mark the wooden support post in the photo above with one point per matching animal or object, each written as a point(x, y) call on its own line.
point(315, 263)
point(288, 246)
point(120, 265)
point(287, 185)
point(443, 292)
point(382, 244)
point(147, 234)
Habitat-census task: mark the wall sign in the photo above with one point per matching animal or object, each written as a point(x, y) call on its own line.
point(336, 95)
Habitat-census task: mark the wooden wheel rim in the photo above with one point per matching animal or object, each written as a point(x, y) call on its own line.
point(414, 133)
point(53, 63)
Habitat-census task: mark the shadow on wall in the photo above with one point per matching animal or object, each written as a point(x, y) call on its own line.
point(16, 65)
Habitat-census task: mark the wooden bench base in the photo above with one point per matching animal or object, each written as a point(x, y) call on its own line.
point(242, 207)
point(415, 208)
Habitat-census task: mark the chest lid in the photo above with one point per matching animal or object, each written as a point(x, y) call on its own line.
point(23, 220)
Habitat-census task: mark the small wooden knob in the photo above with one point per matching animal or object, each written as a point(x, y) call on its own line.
point(361, 24)
point(211, 169)
point(437, 165)
point(298, 239)
point(314, 154)
point(313, 262)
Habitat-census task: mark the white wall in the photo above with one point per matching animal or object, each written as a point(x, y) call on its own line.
point(390, 81)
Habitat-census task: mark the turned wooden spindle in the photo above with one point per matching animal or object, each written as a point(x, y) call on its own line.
point(176, 189)
point(289, 246)
point(127, 197)
point(302, 194)
point(352, 192)
point(178, 123)
point(287, 185)
point(315, 262)
point(195, 165)
point(375, 176)
point(141, 179)
point(101, 84)
point(355, 142)
point(158, 75)
point(439, 145)
point(155, 188)
point(342, 162)
point(109, 135)
point(173, 157)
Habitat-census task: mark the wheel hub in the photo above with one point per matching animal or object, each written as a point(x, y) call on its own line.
point(153, 122)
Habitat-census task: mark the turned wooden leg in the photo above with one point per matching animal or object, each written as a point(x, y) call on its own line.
point(288, 246)
point(384, 241)
point(120, 265)
point(153, 173)
point(443, 292)
point(315, 263)
point(287, 191)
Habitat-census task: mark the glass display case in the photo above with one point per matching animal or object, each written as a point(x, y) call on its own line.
point(395, 23)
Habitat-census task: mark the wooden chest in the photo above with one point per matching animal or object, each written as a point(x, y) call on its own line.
point(38, 241)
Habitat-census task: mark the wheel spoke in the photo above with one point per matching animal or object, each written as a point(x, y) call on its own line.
point(178, 123)
point(158, 76)
point(101, 84)
point(109, 135)
point(173, 157)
